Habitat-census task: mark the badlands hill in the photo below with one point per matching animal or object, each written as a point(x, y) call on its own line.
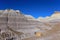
point(49, 27)
point(52, 27)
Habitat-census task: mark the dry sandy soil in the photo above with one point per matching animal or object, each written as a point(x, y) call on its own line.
point(53, 34)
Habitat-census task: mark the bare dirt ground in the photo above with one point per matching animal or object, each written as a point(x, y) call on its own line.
point(53, 34)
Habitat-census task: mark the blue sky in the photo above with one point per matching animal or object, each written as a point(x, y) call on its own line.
point(35, 8)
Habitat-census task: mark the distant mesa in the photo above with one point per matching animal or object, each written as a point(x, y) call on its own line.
point(57, 12)
point(55, 15)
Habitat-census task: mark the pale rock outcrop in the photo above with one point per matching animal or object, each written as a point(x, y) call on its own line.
point(28, 25)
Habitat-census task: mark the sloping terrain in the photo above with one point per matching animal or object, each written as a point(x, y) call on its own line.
point(49, 27)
